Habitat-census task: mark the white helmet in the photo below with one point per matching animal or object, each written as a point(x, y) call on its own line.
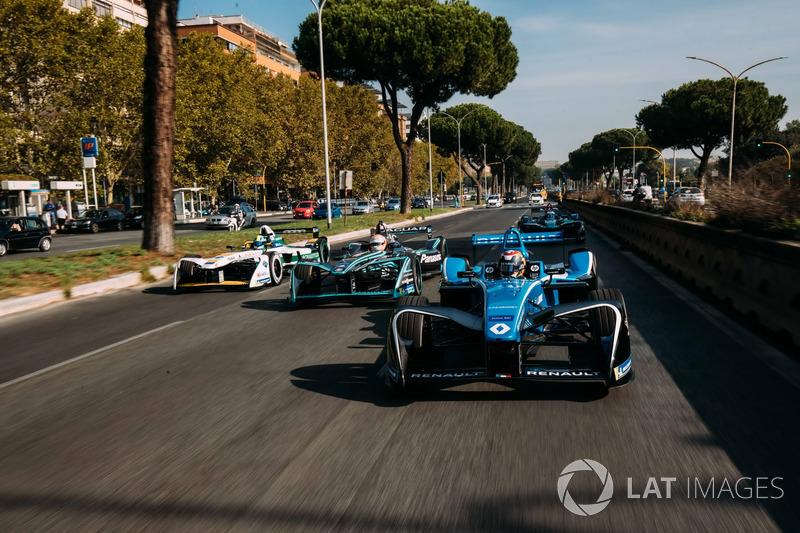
point(378, 243)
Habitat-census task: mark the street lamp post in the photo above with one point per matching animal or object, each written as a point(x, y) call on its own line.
point(633, 169)
point(458, 124)
point(430, 157)
point(319, 7)
point(733, 106)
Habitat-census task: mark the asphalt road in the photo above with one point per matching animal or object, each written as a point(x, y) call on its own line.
point(64, 243)
point(234, 410)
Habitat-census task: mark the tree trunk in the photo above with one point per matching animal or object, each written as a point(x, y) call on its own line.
point(159, 125)
point(406, 160)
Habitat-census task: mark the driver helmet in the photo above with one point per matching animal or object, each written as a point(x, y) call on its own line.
point(512, 264)
point(378, 243)
point(259, 242)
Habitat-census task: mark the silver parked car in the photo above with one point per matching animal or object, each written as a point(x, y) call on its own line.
point(362, 207)
point(688, 195)
point(393, 204)
point(222, 220)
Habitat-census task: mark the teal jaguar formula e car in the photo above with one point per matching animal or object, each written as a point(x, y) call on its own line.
point(381, 267)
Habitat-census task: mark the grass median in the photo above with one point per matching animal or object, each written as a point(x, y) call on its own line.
point(35, 275)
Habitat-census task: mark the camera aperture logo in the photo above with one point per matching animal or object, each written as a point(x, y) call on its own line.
point(585, 509)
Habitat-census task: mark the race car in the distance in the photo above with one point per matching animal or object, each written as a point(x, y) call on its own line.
point(513, 319)
point(553, 227)
point(258, 263)
point(380, 267)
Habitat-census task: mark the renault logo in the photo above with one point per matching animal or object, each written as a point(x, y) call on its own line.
point(499, 328)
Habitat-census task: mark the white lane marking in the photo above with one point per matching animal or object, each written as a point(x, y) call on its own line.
point(84, 356)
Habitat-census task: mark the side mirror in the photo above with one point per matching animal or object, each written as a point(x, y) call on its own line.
point(466, 274)
point(555, 269)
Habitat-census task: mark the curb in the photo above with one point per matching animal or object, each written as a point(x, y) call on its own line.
point(131, 279)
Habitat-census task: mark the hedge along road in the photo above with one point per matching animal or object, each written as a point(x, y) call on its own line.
point(218, 410)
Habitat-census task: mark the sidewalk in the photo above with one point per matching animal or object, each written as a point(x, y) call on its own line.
point(131, 279)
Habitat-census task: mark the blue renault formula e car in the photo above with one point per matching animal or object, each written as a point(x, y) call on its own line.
point(552, 227)
point(389, 272)
point(514, 319)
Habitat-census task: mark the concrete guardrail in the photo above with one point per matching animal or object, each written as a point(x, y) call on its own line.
point(754, 276)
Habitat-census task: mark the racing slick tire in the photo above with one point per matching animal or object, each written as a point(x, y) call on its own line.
point(416, 271)
point(410, 325)
point(304, 273)
point(275, 269)
point(324, 250)
point(603, 319)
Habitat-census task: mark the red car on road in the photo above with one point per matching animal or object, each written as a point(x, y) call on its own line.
point(305, 209)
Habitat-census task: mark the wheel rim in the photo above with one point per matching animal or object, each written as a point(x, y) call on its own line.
point(3, 248)
point(46, 245)
point(95, 228)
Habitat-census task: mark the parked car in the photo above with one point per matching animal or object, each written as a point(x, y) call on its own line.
point(688, 195)
point(421, 202)
point(322, 211)
point(276, 206)
point(363, 207)
point(393, 204)
point(19, 233)
point(134, 218)
point(95, 220)
point(305, 209)
point(222, 219)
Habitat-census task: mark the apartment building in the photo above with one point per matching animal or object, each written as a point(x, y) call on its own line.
point(236, 31)
point(127, 13)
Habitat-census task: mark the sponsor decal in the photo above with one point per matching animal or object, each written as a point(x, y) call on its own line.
point(433, 258)
point(502, 317)
point(622, 369)
point(448, 375)
point(500, 328)
point(502, 375)
point(585, 509)
point(561, 373)
point(408, 288)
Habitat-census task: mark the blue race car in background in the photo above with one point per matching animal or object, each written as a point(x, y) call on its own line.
point(363, 272)
point(512, 320)
point(552, 227)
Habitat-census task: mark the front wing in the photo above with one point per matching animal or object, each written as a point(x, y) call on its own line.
point(386, 277)
point(559, 344)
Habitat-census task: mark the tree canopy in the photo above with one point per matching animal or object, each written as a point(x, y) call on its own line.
point(697, 116)
point(427, 49)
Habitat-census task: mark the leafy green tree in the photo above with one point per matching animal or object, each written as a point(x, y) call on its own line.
point(39, 41)
point(697, 116)
point(428, 49)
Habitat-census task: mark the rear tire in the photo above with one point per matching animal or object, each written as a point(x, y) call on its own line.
point(44, 245)
point(275, 269)
point(3, 249)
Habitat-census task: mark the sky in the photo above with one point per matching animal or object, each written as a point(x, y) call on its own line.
point(585, 65)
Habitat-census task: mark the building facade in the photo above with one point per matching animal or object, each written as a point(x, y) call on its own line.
point(236, 31)
point(127, 13)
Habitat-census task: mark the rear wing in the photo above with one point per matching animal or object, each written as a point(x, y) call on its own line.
point(542, 236)
point(513, 239)
point(298, 231)
point(407, 231)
